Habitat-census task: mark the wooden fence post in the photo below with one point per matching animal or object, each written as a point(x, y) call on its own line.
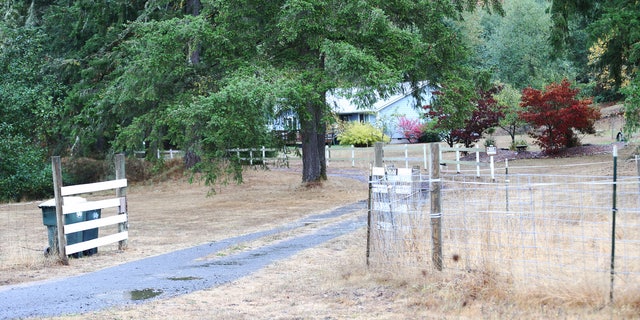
point(122, 193)
point(57, 191)
point(379, 154)
point(406, 156)
point(327, 154)
point(436, 207)
point(353, 156)
point(425, 163)
point(457, 159)
point(477, 162)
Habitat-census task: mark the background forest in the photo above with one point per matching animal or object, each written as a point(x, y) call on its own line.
point(90, 78)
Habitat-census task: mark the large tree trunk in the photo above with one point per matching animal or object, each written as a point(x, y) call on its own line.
point(313, 131)
point(193, 8)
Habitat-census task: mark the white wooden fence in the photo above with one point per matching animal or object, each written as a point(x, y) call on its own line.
point(262, 155)
point(119, 202)
point(169, 154)
point(401, 155)
point(457, 162)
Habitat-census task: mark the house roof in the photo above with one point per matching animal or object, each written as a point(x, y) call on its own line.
point(342, 105)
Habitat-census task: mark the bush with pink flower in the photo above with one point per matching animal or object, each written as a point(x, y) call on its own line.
point(411, 129)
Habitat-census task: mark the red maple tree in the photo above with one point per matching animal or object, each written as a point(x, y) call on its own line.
point(556, 115)
point(486, 115)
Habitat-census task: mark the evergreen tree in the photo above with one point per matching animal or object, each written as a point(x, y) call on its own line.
point(323, 46)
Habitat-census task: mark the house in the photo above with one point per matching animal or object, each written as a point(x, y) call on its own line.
point(386, 111)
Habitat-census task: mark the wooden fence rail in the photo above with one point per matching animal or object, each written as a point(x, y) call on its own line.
point(119, 202)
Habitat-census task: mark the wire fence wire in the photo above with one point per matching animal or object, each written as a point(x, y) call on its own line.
point(23, 237)
point(399, 224)
point(549, 227)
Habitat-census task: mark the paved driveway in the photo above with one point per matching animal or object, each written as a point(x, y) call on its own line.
point(170, 274)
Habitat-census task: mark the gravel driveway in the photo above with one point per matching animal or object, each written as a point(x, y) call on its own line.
point(170, 274)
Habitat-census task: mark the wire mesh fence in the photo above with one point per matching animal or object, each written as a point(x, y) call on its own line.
point(398, 224)
point(546, 227)
point(23, 237)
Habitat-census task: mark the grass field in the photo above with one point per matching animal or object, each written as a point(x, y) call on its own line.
point(328, 282)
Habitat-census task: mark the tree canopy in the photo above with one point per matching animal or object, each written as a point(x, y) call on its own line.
point(203, 75)
point(322, 46)
point(515, 48)
point(613, 29)
point(90, 78)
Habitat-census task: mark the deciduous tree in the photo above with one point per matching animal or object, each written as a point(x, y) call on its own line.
point(509, 99)
point(452, 106)
point(487, 114)
point(515, 48)
point(555, 113)
point(330, 45)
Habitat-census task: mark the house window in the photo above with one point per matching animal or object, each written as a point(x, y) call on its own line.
point(290, 123)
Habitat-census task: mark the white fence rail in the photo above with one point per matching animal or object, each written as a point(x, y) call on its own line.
point(262, 155)
point(457, 162)
point(400, 155)
point(169, 154)
point(405, 156)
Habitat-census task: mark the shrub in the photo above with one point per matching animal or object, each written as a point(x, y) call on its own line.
point(516, 143)
point(411, 129)
point(82, 170)
point(430, 136)
point(361, 135)
point(488, 142)
point(138, 170)
point(87, 170)
point(24, 171)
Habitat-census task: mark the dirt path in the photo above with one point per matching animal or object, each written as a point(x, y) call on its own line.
point(177, 273)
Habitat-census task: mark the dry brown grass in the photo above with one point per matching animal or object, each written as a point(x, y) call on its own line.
point(327, 282)
point(172, 215)
point(332, 282)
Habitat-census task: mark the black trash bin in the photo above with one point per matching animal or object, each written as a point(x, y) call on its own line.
point(91, 233)
point(49, 220)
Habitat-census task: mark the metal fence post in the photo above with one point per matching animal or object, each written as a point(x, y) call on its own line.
point(613, 222)
point(436, 207)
